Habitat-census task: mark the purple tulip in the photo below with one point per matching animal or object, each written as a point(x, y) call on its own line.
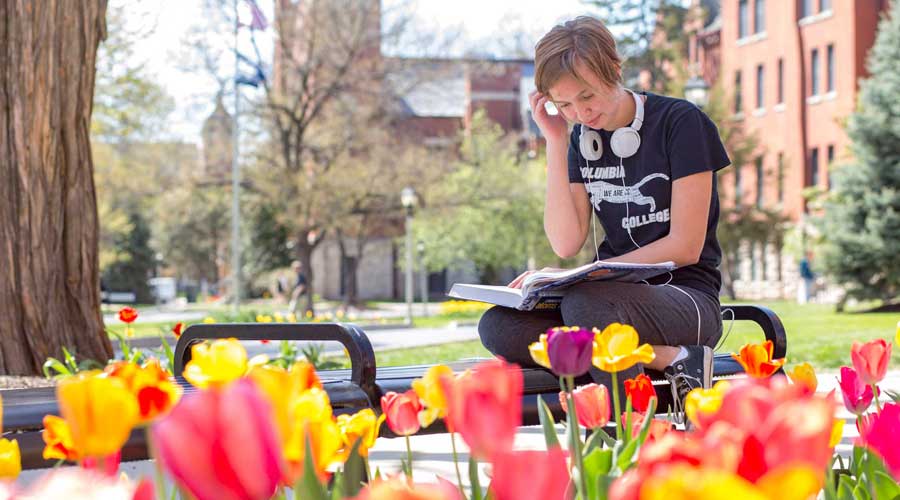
point(569, 349)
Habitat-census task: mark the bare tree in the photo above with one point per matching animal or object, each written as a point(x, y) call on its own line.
point(49, 284)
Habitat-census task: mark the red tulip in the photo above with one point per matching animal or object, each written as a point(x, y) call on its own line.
point(857, 395)
point(401, 412)
point(880, 433)
point(591, 405)
point(177, 329)
point(871, 360)
point(640, 389)
point(485, 407)
point(221, 444)
point(128, 314)
point(531, 474)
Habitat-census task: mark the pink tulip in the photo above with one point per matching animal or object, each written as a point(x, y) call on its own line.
point(402, 412)
point(871, 360)
point(108, 466)
point(591, 405)
point(485, 407)
point(531, 474)
point(880, 433)
point(221, 444)
point(857, 395)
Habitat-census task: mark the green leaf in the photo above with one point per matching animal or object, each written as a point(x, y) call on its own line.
point(623, 461)
point(885, 487)
point(474, 480)
point(57, 366)
point(597, 462)
point(547, 423)
point(861, 493)
point(645, 427)
point(354, 472)
point(597, 437)
point(309, 487)
point(70, 360)
point(845, 488)
point(167, 349)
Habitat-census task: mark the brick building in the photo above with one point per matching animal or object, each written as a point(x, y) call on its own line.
point(792, 69)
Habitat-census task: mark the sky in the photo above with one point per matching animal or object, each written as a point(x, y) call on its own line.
point(164, 27)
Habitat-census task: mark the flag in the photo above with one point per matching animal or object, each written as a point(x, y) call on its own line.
point(259, 19)
point(257, 76)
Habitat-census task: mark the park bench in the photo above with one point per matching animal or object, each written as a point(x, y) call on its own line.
point(349, 390)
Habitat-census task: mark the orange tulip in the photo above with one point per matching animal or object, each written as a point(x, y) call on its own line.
point(871, 360)
point(402, 412)
point(591, 405)
point(156, 393)
point(804, 376)
point(128, 314)
point(100, 411)
point(757, 359)
point(58, 444)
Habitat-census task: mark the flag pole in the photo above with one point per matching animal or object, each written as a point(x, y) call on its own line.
point(236, 180)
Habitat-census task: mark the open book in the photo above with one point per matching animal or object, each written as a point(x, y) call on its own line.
point(545, 289)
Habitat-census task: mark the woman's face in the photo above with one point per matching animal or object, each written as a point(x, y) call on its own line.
point(590, 102)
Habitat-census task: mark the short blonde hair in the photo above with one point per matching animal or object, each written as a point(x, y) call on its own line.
point(582, 40)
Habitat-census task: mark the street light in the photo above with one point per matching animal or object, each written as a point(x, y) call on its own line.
point(408, 200)
point(697, 91)
point(423, 277)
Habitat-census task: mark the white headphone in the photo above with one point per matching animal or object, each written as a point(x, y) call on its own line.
point(624, 142)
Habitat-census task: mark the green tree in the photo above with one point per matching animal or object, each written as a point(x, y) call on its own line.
point(862, 214)
point(135, 260)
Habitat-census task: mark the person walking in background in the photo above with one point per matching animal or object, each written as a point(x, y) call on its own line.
point(299, 286)
point(806, 288)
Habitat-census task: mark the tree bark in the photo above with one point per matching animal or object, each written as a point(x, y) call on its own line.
point(49, 269)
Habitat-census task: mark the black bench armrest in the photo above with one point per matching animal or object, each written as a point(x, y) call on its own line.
point(766, 319)
point(362, 356)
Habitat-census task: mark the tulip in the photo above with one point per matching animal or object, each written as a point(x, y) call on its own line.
point(804, 376)
point(362, 426)
point(871, 360)
point(177, 329)
point(540, 351)
point(100, 411)
point(79, 484)
point(880, 435)
point(58, 444)
point(757, 359)
point(591, 405)
point(432, 394)
point(221, 444)
point(10, 459)
point(128, 314)
point(399, 488)
point(837, 432)
point(857, 395)
point(530, 474)
point(687, 483)
point(658, 427)
point(640, 389)
point(569, 350)
point(616, 348)
point(215, 365)
point(156, 393)
point(311, 420)
point(701, 404)
point(485, 407)
point(401, 411)
point(897, 335)
point(107, 466)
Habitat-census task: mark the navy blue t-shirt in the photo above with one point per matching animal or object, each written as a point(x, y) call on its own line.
point(677, 140)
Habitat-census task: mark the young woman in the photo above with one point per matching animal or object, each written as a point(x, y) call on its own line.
point(645, 165)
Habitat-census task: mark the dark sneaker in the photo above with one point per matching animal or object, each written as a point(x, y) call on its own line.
point(694, 371)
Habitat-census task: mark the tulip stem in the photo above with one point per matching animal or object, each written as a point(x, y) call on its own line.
point(575, 436)
point(620, 432)
point(456, 462)
point(875, 393)
point(409, 457)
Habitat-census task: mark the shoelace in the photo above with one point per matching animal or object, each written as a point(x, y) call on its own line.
point(679, 392)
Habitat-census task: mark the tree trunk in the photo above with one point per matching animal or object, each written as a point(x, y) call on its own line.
point(49, 269)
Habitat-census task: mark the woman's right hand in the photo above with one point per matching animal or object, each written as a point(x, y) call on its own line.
point(517, 283)
point(553, 127)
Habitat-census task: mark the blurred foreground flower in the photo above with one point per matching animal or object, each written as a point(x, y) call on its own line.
point(880, 434)
point(100, 412)
point(58, 444)
point(10, 459)
point(531, 474)
point(155, 392)
point(400, 488)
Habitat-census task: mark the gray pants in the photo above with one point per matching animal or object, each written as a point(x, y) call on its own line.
point(661, 314)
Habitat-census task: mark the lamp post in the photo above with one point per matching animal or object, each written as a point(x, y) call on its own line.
point(697, 91)
point(423, 277)
point(408, 200)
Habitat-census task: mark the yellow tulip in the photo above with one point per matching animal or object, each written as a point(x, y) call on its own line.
point(1, 414)
point(897, 335)
point(361, 426)
point(312, 404)
point(279, 318)
point(704, 402)
point(538, 351)
point(100, 411)
point(688, 483)
point(616, 348)
point(10, 459)
point(215, 365)
point(209, 320)
point(431, 392)
point(804, 375)
point(292, 318)
point(837, 432)
point(312, 419)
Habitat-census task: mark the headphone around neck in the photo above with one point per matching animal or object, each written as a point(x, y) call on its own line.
point(624, 142)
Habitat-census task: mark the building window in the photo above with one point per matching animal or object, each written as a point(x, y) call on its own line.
point(738, 105)
point(759, 181)
point(760, 80)
point(813, 167)
point(737, 186)
point(824, 5)
point(780, 80)
point(743, 21)
point(806, 8)
point(814, 72)
point(780, 180)
point(759, 16)
point(829, 68)
point(830, 163)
